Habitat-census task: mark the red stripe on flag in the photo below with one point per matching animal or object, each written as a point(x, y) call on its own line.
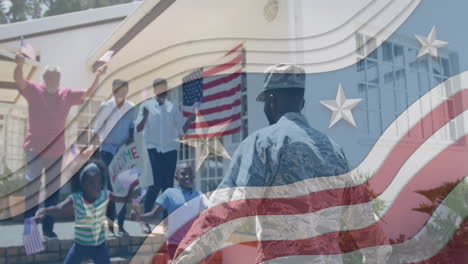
point(216, 109)
point(234, 49)
point(222, 94)
point(361, 237)
point(217, 134)
point(223, 67)
point(222, 80)
point(328, 198)
point(215, 122)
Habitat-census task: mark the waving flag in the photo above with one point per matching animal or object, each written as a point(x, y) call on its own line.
point(142, 192)
point(28, 50)
point(400, 174)
point(215, 94)
point(72, 154)
point(386, 80)
point(31, 237)
point(400, 115)
point(107, 56)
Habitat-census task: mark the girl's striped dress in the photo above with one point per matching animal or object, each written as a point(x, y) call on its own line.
point(90, 218)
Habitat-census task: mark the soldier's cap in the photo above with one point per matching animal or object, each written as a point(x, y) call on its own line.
point(282, 76)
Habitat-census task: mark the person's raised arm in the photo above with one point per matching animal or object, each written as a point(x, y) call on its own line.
point(181, 123)
point(100, 71)
point(18, 74)
point(131, 128)
point(188, 122)
point(55, 211)
point(130, 138)
point(141, 123)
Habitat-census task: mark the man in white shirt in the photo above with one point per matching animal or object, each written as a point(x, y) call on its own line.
point(162, 125)
point(114, 128)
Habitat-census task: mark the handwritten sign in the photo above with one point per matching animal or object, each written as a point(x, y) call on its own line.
point(129, 162)
point(125, 159)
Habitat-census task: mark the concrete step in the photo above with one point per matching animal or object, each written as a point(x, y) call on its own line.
point(113, 260)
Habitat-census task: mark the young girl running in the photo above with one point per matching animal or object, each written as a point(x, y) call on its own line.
point(89, 206)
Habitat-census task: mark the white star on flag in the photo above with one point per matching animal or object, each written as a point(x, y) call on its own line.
point(430, 44)
point(341, 107)
point(207, 144)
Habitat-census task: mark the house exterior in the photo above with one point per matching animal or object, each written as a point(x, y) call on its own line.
point(372, 63)
point(66, 41)
point(361, 46)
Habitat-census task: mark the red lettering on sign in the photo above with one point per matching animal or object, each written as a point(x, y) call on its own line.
point(134, 154)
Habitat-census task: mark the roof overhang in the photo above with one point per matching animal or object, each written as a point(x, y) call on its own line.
point(169, 39)
point(68, 21)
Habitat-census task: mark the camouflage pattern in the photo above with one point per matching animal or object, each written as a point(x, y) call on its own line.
point(284, 153)
point(275, 162)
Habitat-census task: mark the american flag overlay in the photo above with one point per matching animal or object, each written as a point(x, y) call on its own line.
point(329, 132)
point(31, 237)
point(400, 117)
point(402, 173)
point(215, 94)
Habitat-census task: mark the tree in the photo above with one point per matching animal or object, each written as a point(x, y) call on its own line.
point(3, 12)
point(442, 223)
point(58, 7)
point(19, 10)
point(37, 8)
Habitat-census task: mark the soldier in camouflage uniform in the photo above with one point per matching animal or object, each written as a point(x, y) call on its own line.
point(277, 161)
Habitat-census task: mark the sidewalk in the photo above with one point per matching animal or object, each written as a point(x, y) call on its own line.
point(121, 249)
point(11, 233)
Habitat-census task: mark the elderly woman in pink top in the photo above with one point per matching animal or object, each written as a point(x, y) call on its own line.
point(48, 107)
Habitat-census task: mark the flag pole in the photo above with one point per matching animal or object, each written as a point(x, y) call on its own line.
point(20, 50)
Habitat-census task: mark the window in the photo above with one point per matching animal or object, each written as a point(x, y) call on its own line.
point(211, 171)
point(391, 79)
point(244, 131)
point(85, 123)
point(14, 125)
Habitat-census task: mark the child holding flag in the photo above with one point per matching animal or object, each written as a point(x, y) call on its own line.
point(183, 204)
point(89, 206)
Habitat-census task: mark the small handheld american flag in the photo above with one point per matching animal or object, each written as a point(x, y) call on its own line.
point(126, 178)
point(73, 153)
point(31, 237)
point(27, 50)
point(107, 56)
point(140, 197)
